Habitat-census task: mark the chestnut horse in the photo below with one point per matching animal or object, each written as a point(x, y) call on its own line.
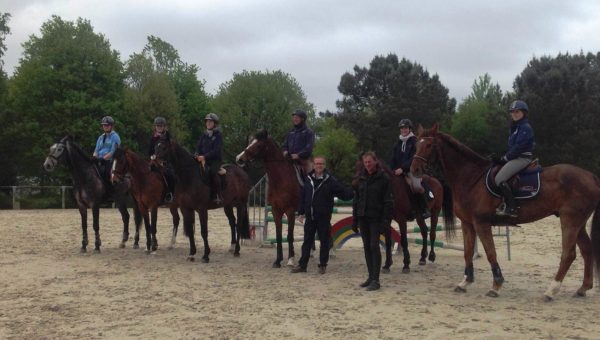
point(192, 192)
point(284, 189)
point(569, 192)
point(148, 189)
point(89, 188)
point(402, 209)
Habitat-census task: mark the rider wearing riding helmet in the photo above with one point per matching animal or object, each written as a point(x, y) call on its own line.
point(209, 150)
point(519, 155)
point(161, 131)
point(106, 145)
point(402, 156)
point(299, 142)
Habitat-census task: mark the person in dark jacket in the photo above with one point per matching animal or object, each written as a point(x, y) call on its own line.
point(161, 131)
point(519, 155)
point(209, 151)
point(402, 156)
point(320, 188)
point(372, 211)
point(299, 142)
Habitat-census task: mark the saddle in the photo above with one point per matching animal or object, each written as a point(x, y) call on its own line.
point(525, 184)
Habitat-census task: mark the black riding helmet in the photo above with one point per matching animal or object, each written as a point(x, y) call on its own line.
point(405, 123)
point(160, 121)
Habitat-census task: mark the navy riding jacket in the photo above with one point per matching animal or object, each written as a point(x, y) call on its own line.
point(520, 140)
point(211, 147)
point(299, 140)
point(403, 158)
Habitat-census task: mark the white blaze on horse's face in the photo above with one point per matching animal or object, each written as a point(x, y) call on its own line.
point(112, 173)
point(238, 157)
point(51, 161)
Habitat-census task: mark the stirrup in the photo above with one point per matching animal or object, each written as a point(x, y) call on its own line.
point(169, 197)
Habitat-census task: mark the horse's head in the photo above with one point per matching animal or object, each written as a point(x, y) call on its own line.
point(425, 149)
point(162, 149)
point(57, 154)
point(120, 165)
point(257, 149)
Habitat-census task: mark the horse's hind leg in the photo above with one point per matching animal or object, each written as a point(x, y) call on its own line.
point(188, 230)
point(405, 252)
point(234, 246)
point(432, 234)
point(291, 215)
point(153, 218)
point(469, 239)
point(570, 235)
point(125, 218)
point(585, 247)
point(176, 219)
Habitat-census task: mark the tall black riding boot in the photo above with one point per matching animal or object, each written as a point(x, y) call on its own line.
point(422, 205)
point(510, 206)
point(216, 189)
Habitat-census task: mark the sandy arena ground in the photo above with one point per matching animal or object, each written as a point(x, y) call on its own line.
point(49, 290)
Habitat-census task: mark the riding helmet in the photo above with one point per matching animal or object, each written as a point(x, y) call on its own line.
point(107, 120)
point(213, 117)
point(160, 121)
point(405, 123)
point(300, 113)
point(519, 105)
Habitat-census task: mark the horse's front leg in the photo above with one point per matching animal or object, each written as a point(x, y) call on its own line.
point(404, 243)
point(487, 239)
point(153, 219)
point(188, 230)
point(291, 216)
point(432, 234)
point(147, 228)
point(388, 250)
point(469, 238)
point(234, 244)
point(84, 226)
point(277, 216)
point(96, 225)
point(203, 216)
point(424, 233)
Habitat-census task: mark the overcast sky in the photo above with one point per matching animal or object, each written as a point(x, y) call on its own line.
point(317, 41)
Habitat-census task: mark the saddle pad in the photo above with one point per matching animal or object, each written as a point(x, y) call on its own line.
point(525, 184)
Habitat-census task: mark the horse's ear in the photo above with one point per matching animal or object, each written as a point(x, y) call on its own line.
point(434, 128)
point(261, 134)
point(420, 130)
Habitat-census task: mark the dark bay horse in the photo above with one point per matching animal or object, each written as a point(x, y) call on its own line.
point(284, 190)
point(569, 192)
point(192, 193)
point(402, 210)
point(148, 189)
point(90, 190)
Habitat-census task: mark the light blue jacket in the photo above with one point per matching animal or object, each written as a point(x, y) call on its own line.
point(107, 144)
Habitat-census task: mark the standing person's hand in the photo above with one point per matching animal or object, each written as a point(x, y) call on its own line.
point(398, 172)
point(295, 156)
point(301, 218)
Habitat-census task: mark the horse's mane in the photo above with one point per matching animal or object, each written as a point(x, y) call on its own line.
point(77, 149)
point(463, 149)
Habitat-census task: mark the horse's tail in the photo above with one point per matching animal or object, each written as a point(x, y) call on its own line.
point(596, 242)
point(243, 222)
point(448, 208)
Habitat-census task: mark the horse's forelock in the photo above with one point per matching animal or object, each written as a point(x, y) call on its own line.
point(262, 134)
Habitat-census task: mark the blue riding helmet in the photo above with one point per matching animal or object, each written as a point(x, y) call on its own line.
point(519, 105)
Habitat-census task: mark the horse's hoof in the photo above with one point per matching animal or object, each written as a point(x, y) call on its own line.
point(548, 298)
point(290, 262)
point(579, 293)
point(385, 270)
point(459, 289)
point(276, 265)
point(236, 254)
point(431, 257)
point(492, 293)
point(422, 262)
point(83, 250)
point(122, 245)
point(96, 251)
point(205, 260)
point(147, 251)
point(405, 270)
point(136, 246)
point(153, 253)
point(170, 248)
point(191, 259)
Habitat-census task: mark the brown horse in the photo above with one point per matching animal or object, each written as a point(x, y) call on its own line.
point(148, 189)
point(402, 210)
point(192, 193)
point(569, 192)
point(284, 189)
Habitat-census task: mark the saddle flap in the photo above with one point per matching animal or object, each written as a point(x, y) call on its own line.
point(525, 184)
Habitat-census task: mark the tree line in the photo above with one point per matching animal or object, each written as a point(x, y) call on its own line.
point(69, 77)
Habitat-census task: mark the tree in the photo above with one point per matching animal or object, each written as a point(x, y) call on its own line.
point(339, 146)
point(481, 121)
point(68, 78)
point(564, 107)
point(253, 100)
point(7, 172)
point(192, 99)
point(375, 99)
